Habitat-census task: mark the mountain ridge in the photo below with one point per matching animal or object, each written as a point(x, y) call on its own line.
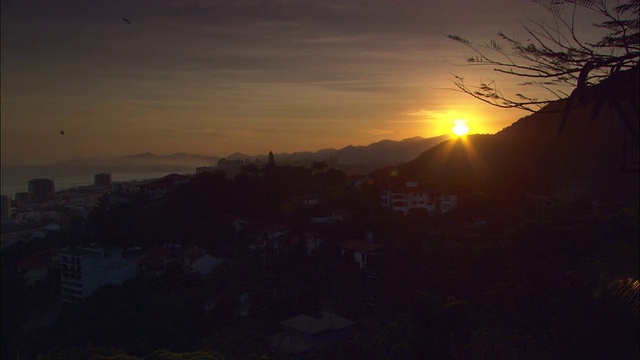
point(533, 156)
point(384, 152)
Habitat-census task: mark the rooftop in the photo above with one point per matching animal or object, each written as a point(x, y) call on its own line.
point(313, 325)
point(192, 253)
point(360, 246)
point(33, 262)
point(290, 343)
point(77, 252)
point(159, 252)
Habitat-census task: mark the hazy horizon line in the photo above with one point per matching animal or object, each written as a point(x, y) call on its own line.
point(115, 157)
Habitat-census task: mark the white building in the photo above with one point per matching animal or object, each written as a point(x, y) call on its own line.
point(84, 269)
point(412, 196)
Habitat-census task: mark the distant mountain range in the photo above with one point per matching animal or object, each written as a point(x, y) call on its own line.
point(382, 153)
point(364, 158)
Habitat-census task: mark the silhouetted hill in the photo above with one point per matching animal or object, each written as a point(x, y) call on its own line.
point(363, 158)
point(532, 155)
point(388, 152)
point(359, 159)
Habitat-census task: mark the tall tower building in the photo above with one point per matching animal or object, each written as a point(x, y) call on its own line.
point(5, 208)
point(102, 180)
point(41, 190)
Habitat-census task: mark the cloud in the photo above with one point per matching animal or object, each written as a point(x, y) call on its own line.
point(426, 113)
point(377, 131)
point(261, 70)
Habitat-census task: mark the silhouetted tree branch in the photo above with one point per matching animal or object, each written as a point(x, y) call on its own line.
point(554, 58)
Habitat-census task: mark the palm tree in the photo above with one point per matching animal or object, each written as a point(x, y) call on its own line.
point(318, 166)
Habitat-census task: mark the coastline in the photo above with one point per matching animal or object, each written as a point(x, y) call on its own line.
point(15, 178)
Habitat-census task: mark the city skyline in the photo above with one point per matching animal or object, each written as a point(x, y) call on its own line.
point(106, 79)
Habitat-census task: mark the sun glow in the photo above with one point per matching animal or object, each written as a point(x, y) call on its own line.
point(460, 128)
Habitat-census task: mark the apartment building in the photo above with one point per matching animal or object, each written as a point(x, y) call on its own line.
point(411, 195)
point(84, 269)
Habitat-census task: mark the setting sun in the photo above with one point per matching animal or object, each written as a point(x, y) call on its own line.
point(460, 129)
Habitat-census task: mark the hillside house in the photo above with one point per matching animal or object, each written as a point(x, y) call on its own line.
point(196, 260)
point(35, 267)
point(362, 252)
point(411, 195)
point(158, 258)
point(311, 241)
point(303, 334)
point(271, 242)
point(357, 181)
point(335, 217)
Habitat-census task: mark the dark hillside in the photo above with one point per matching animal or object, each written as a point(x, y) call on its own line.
point(531, 154)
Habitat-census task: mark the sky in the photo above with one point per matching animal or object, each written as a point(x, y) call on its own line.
point(215, 77)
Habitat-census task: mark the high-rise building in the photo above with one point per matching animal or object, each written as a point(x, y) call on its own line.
point(102, 180)
point(5, 208)
point(22, 197)
point(41, 190)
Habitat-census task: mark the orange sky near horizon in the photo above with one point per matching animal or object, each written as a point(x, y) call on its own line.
point(218, 77)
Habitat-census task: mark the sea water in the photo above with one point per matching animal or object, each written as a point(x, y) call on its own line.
point(15, 178)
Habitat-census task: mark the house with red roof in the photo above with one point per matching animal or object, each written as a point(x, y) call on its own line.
point(157, 258)
point(35, 267)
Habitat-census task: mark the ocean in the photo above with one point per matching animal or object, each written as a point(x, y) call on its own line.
point(15, 178)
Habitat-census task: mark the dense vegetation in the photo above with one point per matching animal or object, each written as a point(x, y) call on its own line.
point(539, 281)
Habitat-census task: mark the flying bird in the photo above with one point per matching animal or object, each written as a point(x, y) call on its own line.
point(126, 20)
point(62, 132)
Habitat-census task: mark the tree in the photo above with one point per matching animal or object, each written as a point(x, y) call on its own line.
point(555, 60)
point(271, 161)
point(318, 166)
